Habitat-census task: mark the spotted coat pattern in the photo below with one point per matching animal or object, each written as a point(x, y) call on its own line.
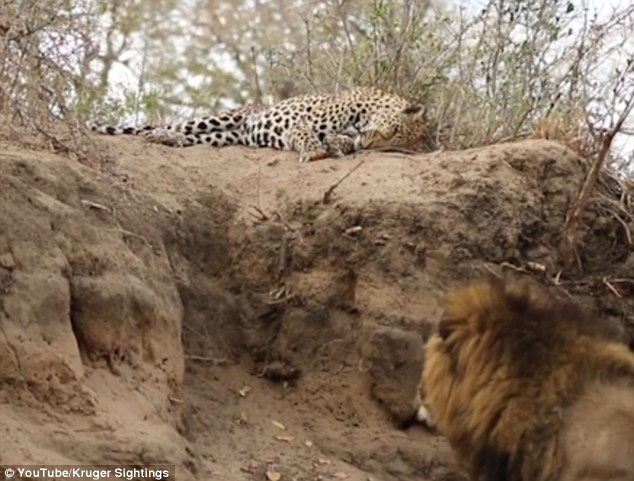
point(315, 126)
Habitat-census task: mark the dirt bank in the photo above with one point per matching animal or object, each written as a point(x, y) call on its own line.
point(236, 313)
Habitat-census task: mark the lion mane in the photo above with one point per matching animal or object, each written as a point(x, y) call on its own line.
point(528, 387)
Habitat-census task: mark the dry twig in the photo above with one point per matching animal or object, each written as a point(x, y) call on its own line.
point(613, 289)
point(211, 360)
point(328, 195)
point(573, 219)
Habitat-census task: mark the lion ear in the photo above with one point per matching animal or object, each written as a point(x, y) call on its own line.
point(445, 327)
point(415, 111)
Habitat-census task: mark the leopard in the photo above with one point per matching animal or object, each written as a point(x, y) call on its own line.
point(316, 126)
point(529, 386)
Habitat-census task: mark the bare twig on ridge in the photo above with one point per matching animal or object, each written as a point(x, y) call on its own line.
point(572, 221)
point(331, 189)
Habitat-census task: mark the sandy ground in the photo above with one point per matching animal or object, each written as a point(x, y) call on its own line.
point(245, 317)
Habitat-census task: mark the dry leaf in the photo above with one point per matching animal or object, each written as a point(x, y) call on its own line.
point(243, 418)
point(244, 391)
point(285, 437)
point(353, 230)
point(273, 475)
point(340, 475)
point(278, 425)
point(382, 239)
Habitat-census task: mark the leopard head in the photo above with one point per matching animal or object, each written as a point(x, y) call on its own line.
point(406, 128)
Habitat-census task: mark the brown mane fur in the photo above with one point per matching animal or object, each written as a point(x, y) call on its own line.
point(516, 379)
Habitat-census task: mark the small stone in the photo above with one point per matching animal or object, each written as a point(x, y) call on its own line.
point(7, 261)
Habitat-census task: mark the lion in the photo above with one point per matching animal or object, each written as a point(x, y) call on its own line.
point(526, 387)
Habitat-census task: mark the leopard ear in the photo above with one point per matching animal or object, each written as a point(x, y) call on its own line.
point(415, 111)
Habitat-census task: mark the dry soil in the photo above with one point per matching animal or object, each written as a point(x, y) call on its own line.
point(246, 317)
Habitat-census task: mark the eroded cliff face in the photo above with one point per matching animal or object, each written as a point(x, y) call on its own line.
point(91, 317)
point(206, 308)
